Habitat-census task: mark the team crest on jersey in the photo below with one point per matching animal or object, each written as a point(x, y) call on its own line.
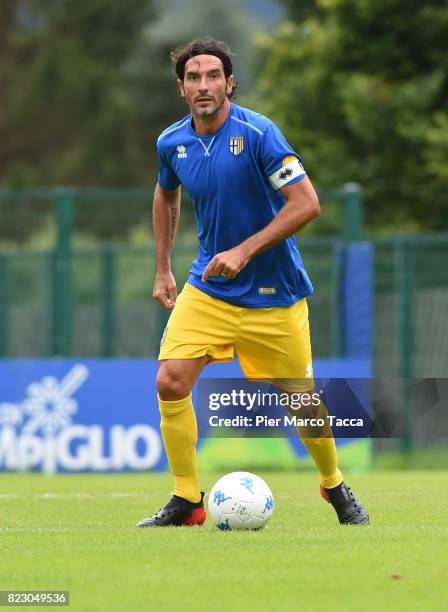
point(181, 151)
point(236, 144)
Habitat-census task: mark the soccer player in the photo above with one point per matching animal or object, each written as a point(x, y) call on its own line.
point(247, 288)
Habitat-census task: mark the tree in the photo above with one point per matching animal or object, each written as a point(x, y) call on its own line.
point(300, 10)
point(361, 89)
point(69, 116)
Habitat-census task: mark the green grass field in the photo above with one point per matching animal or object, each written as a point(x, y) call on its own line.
point(77, 533)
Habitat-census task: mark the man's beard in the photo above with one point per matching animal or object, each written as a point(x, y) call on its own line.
point(211, 114)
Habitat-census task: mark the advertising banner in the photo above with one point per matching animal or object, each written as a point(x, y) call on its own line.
point(98, 415)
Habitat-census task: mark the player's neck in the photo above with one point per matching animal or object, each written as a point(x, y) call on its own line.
point(208, 125)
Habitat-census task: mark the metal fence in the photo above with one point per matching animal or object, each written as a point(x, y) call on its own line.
point(100, 304)
point(411, 306)
point(74, 292)
point(86, 290)
point(411, 337)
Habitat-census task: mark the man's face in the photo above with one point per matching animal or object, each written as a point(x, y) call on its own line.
point(205, 87)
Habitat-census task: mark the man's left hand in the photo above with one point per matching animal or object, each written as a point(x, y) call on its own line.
point(227, 263)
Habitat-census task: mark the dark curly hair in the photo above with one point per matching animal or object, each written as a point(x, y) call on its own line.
point(203, 46)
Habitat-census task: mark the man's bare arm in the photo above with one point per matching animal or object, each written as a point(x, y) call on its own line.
point(165, 217)
point(301, 207)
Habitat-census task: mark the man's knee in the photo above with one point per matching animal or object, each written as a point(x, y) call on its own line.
point(172, 383)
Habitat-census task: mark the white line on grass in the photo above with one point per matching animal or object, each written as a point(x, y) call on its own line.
point(49, 495)
point(63, 529)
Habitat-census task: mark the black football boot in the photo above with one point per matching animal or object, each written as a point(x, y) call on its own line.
point(177, 512)
point(350, 511)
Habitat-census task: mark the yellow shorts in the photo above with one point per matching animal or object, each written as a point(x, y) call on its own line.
point(271, 343)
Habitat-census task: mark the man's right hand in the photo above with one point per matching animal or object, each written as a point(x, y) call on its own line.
point(165, 290)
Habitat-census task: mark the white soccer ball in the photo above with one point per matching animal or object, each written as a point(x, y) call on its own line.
point(240, 500)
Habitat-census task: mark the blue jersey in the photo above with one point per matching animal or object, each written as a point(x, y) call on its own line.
point(233, 177)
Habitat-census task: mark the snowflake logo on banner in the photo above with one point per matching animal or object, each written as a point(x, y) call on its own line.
point(49, 404)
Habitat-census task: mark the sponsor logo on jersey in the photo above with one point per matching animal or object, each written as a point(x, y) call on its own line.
point(181, 151)
point(267, 290)
point(236, 144)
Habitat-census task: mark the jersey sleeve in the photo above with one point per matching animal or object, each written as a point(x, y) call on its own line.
point(281, 164)
point(167, 178)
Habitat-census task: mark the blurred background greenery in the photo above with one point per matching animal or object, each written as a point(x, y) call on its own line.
point(360, 88)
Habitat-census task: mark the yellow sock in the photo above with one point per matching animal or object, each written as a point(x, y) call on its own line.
point(322, 449)
point(180, 435)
